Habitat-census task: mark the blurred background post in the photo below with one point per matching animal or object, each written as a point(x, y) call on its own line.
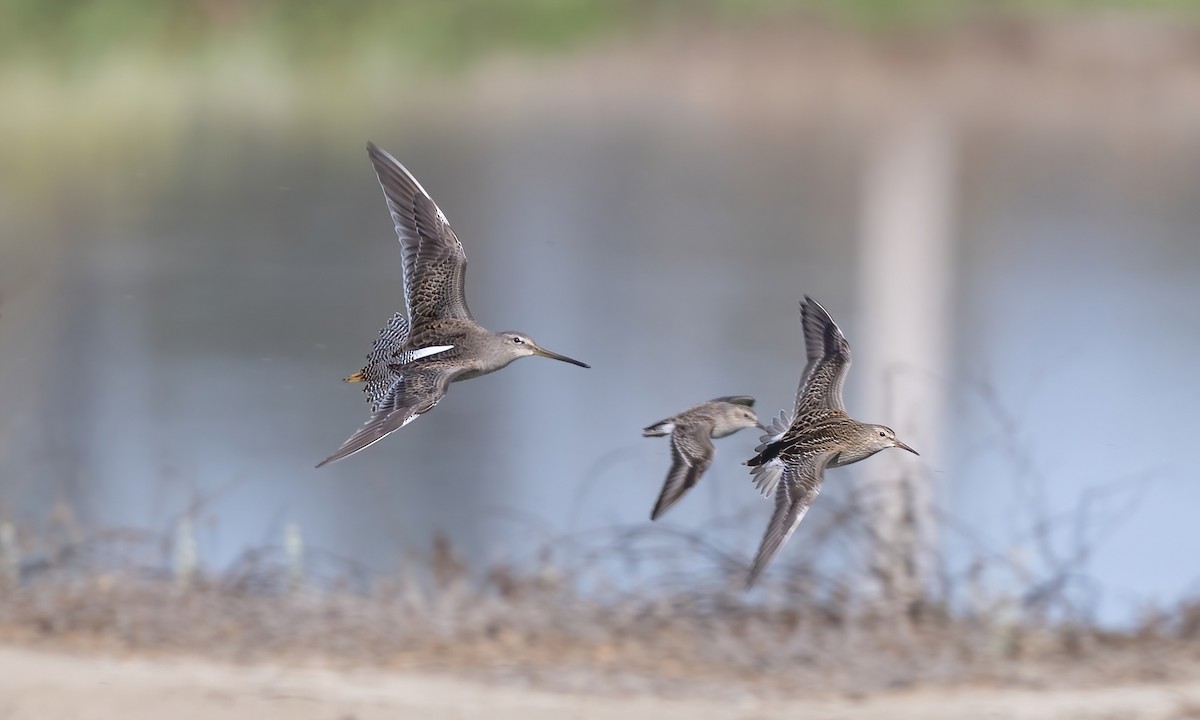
point(906, 252)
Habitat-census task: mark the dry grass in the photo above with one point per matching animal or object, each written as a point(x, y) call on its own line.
point(558, 622)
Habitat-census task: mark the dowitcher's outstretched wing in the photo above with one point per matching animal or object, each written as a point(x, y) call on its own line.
point(434, 261)
point(691, 453)
point(828, 360)
point(800, 486)
point(410, 395)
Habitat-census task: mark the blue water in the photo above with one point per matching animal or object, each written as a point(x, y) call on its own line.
point(175, 326)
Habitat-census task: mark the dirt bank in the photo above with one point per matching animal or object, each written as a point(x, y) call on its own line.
point(47, 686)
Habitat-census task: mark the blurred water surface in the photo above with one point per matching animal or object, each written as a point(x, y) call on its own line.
point(176, 320)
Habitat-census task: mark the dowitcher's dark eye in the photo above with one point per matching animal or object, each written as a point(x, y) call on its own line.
point(517, 340)
point(882, 434)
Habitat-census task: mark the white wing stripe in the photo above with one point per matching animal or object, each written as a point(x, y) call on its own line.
point(431, 350)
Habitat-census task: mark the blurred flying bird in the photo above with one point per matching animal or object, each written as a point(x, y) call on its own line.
point(415, 358)
point(821, 435)
point(692, 432)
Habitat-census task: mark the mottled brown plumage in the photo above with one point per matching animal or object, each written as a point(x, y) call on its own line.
point(692, 432)
point(412, 364)
point(821, 435)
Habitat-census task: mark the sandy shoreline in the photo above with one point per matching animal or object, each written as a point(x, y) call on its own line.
point(46, 686)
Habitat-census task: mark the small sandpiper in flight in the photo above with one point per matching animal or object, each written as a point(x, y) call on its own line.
point(821, 435)
point(692, 432)
point(415, 359)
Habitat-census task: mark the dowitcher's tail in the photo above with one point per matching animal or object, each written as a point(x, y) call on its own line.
point(377, 373)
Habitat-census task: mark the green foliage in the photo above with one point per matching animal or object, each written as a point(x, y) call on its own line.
point(441, 33)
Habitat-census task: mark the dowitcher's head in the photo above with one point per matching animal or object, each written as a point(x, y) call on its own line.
point(514, 345)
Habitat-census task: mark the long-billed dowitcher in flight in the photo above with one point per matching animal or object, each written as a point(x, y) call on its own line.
point(415, 359)
point(821, 435)
point(692, 432)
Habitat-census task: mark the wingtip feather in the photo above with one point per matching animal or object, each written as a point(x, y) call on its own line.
point(379, 156)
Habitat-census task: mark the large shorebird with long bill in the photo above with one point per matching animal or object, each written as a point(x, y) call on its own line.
point(821, 435)
point(415, 358)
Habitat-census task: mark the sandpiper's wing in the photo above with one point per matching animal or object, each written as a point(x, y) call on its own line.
point(434, 261)
point(828, 360)
point(800, 486)
point(691, 453)
point(735, 400)
point(410, 395)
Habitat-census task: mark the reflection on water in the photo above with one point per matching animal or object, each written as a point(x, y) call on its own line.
point(185, 341)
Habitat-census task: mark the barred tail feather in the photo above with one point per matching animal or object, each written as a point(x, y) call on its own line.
point(377, 374)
